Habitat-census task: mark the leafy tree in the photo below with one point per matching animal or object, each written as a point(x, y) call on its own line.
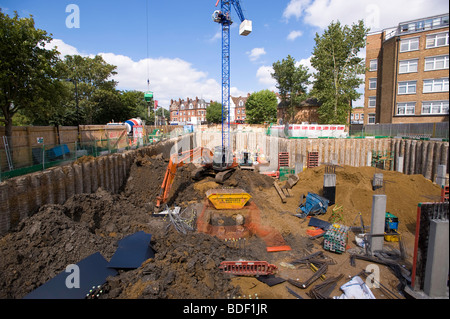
point(214, 113)
point(261, 107)
point(134, 102)
point(91, 87)
point(28, 73)
point(338, 69)
point(292, 80)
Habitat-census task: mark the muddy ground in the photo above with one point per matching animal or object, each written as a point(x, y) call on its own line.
point(186, 265)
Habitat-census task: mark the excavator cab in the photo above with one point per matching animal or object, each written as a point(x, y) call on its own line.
point(223, 159)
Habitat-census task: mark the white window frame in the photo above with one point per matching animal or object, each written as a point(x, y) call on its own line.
point(434, 83)
point(371, 81)
point(407, 85)
point(432, 40)
point(371, 118)
point(241, 103)
point(409, 66)
point(410, 40)
point(406, 106)
point(434, 60)
point(373, 65)
point(432, 105)
point(372, 99)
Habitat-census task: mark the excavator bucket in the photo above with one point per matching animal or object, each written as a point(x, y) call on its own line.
point(228, 198)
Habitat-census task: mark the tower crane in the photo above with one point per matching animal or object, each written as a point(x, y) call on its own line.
point(223, 156)
point(221, 161)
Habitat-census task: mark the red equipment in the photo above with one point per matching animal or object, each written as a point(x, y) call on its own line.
point(248, 268)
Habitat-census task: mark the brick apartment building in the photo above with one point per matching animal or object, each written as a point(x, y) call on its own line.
point(408, 72)
point(188, 111)
point(237, 108)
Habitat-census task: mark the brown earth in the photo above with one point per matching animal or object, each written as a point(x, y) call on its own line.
point(185, 266)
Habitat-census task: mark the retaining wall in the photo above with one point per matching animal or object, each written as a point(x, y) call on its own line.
point(23, 196)
point(419, 156)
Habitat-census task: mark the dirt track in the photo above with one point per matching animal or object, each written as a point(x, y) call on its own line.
point(185, 266)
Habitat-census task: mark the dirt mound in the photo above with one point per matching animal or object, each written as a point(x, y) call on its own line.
point(185, 267)
point(42, 246)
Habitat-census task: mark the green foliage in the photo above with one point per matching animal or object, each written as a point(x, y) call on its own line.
point(91, 87)
point(292, 80)
point(28, 73)
point(214, 113)
point(338, 69)
point(261, 107)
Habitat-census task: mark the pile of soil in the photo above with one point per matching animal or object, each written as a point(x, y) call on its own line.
point(42, 246)
point(184, 267)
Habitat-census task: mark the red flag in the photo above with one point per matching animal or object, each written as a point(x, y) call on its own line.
point(156, 104)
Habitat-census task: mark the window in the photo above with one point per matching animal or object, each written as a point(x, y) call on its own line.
point(373, 84)
point(407, 87)
point(191, 106)
point(408, 66)
point(436, 63)
point(407, 108)
point(356, 116)
point(362, 116)
point(437, 40)
point(372, 101)
point(435, 85)
point(182, 106)
point(238, 111)
point(435, 107)
point(352, 116)
point(241, 103)
point(409, 44)
point(373, 65)
point(371, 119)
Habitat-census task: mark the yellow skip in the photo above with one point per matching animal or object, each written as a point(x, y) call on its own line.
point(228, 198)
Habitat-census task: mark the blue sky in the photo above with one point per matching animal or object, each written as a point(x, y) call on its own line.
point(184, 44)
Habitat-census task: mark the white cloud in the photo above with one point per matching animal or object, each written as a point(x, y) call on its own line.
point(63, 48)
point(377, 15)
point(256, 53)
point(294, 35)
point(263, 74)
point(169, 78)
point(295, 8)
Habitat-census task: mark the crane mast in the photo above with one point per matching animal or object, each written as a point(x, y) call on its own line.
point(223, 17)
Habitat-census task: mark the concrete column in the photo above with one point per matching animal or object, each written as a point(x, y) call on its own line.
point(369, 158)
point(440, 176)
point(436, 270)
point(378, 222)
point(400, 164)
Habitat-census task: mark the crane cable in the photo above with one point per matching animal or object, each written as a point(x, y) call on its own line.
point(148, 59)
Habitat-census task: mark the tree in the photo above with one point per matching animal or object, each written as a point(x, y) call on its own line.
point(292, 80)
point(338, 69)
point(261, 107)
point(134, 102)
point(214, 113)
point(28, 74)
point(93, 92)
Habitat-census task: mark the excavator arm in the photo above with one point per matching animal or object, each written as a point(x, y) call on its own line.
point(178, 160)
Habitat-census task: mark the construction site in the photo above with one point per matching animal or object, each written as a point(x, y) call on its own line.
point(291, 219)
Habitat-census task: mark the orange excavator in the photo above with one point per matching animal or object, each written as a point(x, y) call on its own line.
point(221, 162)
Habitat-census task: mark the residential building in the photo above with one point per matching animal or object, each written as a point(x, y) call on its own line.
point(237, 109)
point(307, 112)
point(357, 116)
point(191, 111)
point(407, 77)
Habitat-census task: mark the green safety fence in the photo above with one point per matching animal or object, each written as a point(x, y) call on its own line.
point(41, 157)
